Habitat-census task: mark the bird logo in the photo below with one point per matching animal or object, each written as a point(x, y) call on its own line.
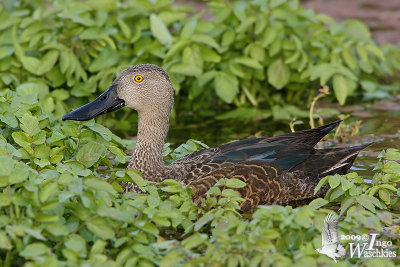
point(330, 245)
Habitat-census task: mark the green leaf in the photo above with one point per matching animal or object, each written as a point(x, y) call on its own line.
point(349, 58)
point(228, 37)
point(188, 29)
point(23, 140)
point(206, 218)
point(235, 183)
point(337, 192)
point(76, 243)
point(249, 62)
point(4, 241)
point(269, 36)
point(47, 62)
point(98, 247)
point(226, 86)
point(4, 200)
point(121, 156)
point(159, 30)
point(356, 29)
point(346, 184)
point(34, 249)
point(47, 191)
point(186, 69)
point(317, 203)
point(278, 74)
point(57, 229)
point(153, 199)
point(205, 39)
point(209, 55)
point(136, 178)
point(99, 185)
point(18, 175)
point(29, 124)
point(105, 60)
point(362, 53)
point(340, 87)
point(56, 136)
point(6, 51)
point(31, 64)
point(6, 165)
point(90, 153)
point(366, 202)
point(386, 217)
point(391, 167)
point(321, 183)
point(126, 31)
point(173, 258)
point(9, 119)
point(100, 228)
point(384, 195)
point(46, 218)
point(246, 24)
point(32, 88)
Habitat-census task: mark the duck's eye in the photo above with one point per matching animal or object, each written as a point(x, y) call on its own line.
point(138, 78)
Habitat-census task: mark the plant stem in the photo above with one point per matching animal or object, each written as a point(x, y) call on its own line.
point(324, 91)
point(7, 261)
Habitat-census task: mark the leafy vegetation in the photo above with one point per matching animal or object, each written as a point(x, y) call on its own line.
point(61, 204)
point(260, 56)
point(61, 200)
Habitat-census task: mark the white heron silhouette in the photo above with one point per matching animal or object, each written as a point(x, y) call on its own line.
point(330, 245)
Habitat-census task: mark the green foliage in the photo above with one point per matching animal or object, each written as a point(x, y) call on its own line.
point(253, 54)
point(61, 200)
point(61, 203)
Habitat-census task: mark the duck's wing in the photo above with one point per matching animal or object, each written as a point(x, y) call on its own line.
point(329, 231)
point(286, 149)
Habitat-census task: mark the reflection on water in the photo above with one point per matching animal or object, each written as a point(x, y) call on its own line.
point(383, 128)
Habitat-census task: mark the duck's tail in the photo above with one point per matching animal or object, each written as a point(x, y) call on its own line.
point(329, 161)
point(338, 160)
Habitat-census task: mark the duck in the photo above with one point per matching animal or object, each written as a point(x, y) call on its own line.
point(282, 169)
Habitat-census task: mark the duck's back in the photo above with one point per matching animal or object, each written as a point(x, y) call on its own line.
point(282, 170)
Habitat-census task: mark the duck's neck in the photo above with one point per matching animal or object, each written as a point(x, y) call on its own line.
point(148, 154)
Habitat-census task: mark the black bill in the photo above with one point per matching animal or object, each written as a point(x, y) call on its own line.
point(106, 102)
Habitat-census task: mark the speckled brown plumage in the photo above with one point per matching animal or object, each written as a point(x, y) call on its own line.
point(282, 169)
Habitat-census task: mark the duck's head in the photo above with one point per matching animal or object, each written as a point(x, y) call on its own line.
point(144, 87)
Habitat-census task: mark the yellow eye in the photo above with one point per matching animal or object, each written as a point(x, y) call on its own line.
point(139, 78)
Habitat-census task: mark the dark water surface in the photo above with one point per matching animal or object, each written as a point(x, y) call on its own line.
point(382, 128)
